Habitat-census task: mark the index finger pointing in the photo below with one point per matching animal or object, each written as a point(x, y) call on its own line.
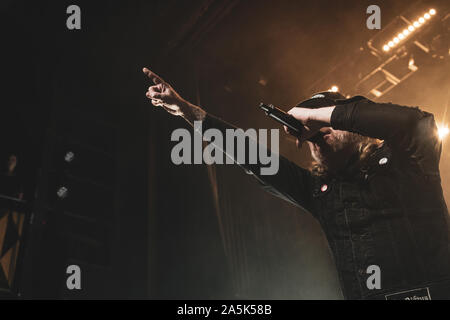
point(153, 76)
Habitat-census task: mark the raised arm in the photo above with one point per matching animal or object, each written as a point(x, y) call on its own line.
point(393, 123)
point(291, 182)
point(408, 130)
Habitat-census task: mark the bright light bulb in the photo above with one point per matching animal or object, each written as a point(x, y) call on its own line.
point(386, 47)
point(427, 16)
point(421, 20)
point(401, 36)
point(432, 12)
point(391, 44)
point(405, 32)
point(334, 89)
point(396, 40)
point(411, 28)
point(443, 131)
point(416, 24)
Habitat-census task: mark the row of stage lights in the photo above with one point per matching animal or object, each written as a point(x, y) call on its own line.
point(443, 130)
point(407, 31)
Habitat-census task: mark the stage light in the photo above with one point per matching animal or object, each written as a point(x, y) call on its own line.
point(411, 65)
point(334, 89)
point(443, 131)
point(402, 35)
point(62, 192)
point(69, 156)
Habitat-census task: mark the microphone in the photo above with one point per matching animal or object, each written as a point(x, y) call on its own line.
point(282, 117)
point(287, 120)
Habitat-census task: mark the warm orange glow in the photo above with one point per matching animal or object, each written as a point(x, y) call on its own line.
point(403, 34)
point(334, 89)
point(443, 131)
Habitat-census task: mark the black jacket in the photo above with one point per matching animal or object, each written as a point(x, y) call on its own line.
point(390, 213)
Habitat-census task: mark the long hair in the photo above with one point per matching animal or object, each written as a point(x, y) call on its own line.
point(364, 146)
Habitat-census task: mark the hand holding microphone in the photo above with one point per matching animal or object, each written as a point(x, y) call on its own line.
point(297, 122)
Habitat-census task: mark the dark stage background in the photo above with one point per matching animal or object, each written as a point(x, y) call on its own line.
point(181, 232)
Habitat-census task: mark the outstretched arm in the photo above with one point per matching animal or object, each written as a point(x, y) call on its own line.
point(291, 182)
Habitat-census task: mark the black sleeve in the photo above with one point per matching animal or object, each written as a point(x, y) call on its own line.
point(291, 183)
point(406, 129)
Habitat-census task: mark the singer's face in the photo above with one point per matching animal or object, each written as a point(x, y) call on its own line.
point(332, 144)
